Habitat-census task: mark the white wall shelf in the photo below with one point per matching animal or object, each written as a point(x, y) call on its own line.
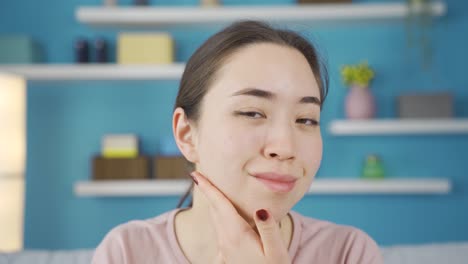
point(74, 72)
point(398, 126)
point(410, 186)
point(180, 15)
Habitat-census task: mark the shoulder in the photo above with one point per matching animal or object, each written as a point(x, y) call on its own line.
point(141, 229)
point(342, 243)
point(149, 236)
point(312, 228)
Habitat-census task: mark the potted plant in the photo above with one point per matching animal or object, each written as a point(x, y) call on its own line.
point(359, 103)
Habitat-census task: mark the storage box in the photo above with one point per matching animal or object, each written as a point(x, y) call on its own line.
point(119, 146)
point(145, 48)
point(121, 168)
point(171, 167)
point(425, 105)
point(18, 49)
point(322, 1)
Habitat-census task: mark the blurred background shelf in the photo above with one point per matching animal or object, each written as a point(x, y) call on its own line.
point(401, 186)
point(151, 16)
point(72, 72)
point(398, 126)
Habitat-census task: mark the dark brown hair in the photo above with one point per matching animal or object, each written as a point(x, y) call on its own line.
point(202, 68)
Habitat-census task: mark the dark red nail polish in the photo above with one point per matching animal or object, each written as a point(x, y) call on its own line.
point(262, 214)
point(194, 179)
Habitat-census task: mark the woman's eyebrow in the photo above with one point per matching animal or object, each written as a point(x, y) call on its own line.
point(271, 96)
point(310, 100)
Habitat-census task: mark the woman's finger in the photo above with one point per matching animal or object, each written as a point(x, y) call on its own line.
point(230, 227)
point(270, 235)
point(219, 259)
point(217, 200)
point(237, 241)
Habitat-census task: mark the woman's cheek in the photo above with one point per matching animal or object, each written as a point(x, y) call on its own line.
point(240, 138)
point(311, 157)
point(221, 157)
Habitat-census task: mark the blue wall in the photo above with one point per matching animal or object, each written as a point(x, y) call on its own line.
point(66, 121)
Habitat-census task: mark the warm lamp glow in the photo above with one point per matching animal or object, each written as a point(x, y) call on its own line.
point(12, 161)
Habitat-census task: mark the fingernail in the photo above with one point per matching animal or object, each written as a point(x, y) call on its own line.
point(194, 179)
point(262, 214)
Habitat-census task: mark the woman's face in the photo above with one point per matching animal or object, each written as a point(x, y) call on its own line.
point(259, 118)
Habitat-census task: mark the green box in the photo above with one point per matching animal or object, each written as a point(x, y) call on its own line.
point(19, 50)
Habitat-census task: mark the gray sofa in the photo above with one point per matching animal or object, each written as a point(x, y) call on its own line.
point(443, 253)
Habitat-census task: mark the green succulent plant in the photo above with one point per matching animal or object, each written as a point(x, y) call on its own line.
point(359, 74)
point(373, 167)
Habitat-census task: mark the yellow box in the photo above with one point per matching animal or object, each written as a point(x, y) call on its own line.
point(119, 146)
point(120, 153)
point(145, 48)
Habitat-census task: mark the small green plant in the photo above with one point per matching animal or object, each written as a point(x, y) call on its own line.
point(360, 74)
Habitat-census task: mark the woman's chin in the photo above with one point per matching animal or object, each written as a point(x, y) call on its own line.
point(277, 211)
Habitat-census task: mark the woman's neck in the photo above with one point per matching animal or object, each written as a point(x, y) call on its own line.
point(196, 233)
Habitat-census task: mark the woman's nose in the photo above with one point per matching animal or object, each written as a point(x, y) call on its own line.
point(280, 144)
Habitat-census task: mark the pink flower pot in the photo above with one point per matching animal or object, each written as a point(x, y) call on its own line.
point(359, 103)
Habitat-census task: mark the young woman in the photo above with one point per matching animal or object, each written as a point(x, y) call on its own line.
point(247, 118)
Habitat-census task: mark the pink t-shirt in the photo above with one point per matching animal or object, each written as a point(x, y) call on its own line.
point(313, 241)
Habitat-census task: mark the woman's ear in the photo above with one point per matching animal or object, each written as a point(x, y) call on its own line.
point(184, 135)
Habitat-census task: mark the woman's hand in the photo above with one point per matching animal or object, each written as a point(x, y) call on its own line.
point(237, 240)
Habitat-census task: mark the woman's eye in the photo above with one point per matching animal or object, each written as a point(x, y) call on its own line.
point(308, 122)
point(250, 114)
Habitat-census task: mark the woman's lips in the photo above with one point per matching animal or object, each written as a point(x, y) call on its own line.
point(277, 182)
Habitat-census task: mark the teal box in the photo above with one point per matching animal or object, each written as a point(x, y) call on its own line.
point(18, 49)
